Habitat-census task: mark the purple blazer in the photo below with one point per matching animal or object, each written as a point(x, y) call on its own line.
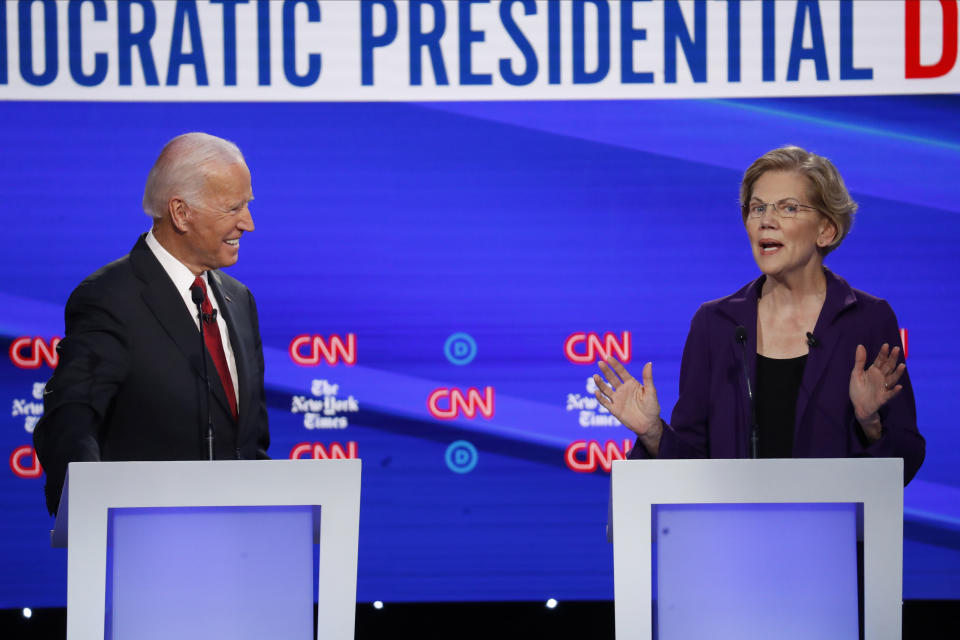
point(711, 417)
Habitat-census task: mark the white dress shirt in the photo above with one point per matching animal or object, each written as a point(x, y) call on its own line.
point(183, 279)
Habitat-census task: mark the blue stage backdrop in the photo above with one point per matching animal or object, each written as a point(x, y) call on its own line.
point(435, 281)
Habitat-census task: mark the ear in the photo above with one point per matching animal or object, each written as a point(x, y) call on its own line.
point(177, 210)
point(828, 232)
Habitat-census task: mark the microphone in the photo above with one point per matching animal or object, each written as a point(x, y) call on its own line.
point(196, 293)
point(741, 335)
point(812, 340)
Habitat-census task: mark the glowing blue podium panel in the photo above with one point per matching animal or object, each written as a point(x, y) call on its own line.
point(733, 571)
point(205, 550)
point(757, 548)
point(195, 572)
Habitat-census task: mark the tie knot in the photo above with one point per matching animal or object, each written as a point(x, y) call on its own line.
point(198, 291)
point(199, 282)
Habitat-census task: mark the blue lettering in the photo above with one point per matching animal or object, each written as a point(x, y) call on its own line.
point(694, 48)
point(290, 45)
point(733, 40)
point(49, 42)
point(580, 74)
point(3, 43)
point(430, 40)
point(467, 37)
point(817, 52)
point(76, 46)
point(263, 43)
point(529, 57)
point(769, 41)
point(229, 39)
point(127, 40)
point(847, 70)
point(186, 11)
point(629, 35)
point(368, 41)
point(553, 40)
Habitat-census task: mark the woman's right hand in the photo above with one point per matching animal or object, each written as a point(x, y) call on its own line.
point(632, 403)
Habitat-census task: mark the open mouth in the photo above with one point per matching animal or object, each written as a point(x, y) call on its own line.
point(770, 247)
point(233, 243)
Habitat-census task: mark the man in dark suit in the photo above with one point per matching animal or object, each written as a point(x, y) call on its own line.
point(130, 383)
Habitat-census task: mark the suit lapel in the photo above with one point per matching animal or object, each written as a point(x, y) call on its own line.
point(165, 302)
point(839, 297)
point(741, 308)
point(232, 314)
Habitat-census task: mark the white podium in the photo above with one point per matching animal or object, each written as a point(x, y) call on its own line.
point(757, 548)
point(210, 549)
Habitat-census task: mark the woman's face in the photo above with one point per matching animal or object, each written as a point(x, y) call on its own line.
point(782, 245)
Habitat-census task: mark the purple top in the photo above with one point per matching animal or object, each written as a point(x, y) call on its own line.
point(711, 417)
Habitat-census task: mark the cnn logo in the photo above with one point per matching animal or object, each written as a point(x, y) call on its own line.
point(317, 451)
point(307, 350)
point(587, 456)
point(446, 404)
point(24, 462)
point(587, 348)
point(30, 353)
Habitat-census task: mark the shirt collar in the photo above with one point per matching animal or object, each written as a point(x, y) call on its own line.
point(182, 276)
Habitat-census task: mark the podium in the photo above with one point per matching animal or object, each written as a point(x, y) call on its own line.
point(191, 549)
point(798, 548)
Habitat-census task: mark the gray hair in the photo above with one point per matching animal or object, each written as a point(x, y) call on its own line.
point(181, 169)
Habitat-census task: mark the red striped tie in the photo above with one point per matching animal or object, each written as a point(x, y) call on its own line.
point(211, 335)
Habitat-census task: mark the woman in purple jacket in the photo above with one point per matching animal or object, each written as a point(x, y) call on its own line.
point(799, 334)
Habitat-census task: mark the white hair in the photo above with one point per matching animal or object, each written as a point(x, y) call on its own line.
point(181, 169)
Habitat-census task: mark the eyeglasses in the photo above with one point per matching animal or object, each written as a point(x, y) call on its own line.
point(786, 208)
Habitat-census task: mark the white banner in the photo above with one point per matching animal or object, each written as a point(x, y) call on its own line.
point(319, 50)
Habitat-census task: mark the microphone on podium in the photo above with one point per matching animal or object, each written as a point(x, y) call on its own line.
point(741, 335)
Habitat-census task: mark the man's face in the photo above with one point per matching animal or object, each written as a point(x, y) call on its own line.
point(215, 223)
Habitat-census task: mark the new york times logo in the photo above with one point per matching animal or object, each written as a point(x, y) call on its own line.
point(590, 413)
point(30, 409)
point(324, 408)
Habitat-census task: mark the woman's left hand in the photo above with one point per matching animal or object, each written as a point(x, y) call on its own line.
point(872, 388)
